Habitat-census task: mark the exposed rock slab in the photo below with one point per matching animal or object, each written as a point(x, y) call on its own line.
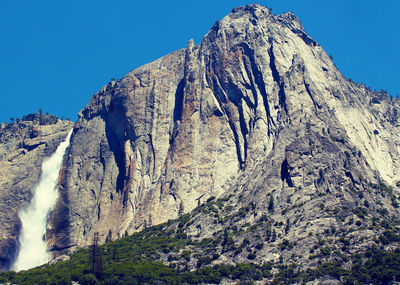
point(257, 103)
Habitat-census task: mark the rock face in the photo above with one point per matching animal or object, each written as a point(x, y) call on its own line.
point(257, 112)
point(23, 147)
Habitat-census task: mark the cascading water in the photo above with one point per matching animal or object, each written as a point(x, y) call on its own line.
point(33, 248)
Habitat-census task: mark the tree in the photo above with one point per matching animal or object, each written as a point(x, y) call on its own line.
point(109, 236)
point(180, 212)
point(95, 259)
point(273, 235)
point(114, 252)
point(88, 279)
point(271, 204)
point(41, 116)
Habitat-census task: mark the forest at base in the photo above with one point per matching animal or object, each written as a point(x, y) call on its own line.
point(136, 259)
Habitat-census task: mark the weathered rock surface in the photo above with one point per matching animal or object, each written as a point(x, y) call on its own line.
point(23, 147)
point(258, 113)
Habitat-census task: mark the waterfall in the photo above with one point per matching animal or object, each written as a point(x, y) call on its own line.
point(33, 248)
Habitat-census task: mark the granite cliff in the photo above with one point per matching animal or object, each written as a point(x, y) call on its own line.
point(258, 108)
point(256, 115)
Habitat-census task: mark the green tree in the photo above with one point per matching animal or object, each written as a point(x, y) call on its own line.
point(271, 204)
point(95, 258)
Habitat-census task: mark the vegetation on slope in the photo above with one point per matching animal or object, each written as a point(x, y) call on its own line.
point(164, 254)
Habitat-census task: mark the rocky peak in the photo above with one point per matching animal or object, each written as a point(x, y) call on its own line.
point(258, 99)
point(256, 114)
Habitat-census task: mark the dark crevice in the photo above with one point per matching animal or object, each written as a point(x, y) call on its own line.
point(259, 81)
point(285, 176)
point(237, 143)
point(117, 149)
point(153, 152)
point(261, 86)
point(98, 212)
point(213, 82)
point(220, 96)
point(216, 88)
point(277, 79)
point(103, 149)
point(116, 134)
point(252, 123)
point(349, 175)
point(218, 113)
point(173, 135)
point(218, 91)
point(247, 62)
point(253, 91)
point(125, 198)
point(173, 196)
point(251, 105)
point(171, 184)
point(243, 129)
point(178, 108)
point(316, 105)
point(236, 96)
point(161, 190)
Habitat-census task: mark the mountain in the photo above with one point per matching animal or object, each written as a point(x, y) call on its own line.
point(253, 138)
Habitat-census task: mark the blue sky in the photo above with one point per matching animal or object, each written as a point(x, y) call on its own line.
point(55, 55)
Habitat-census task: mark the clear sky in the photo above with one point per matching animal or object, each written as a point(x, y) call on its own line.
point(55, 55)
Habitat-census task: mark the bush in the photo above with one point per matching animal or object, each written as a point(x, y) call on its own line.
point(285, 245)
point(210, 199)
point(251, 256)
point(389, 236)
point(88, 279)
point(325, 251)
point(361, 212)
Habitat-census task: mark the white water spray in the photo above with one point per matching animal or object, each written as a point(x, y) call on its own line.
point(33, 249)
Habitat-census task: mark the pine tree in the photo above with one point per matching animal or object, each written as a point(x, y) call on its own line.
point(96, 260)
point(180, 212)
point(271, 204)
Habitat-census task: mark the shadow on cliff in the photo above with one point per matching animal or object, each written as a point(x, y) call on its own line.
point(116, 134)
point(8, 251)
